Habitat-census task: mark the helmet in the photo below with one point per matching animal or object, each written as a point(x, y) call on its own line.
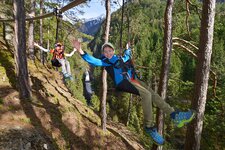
point(107, 44)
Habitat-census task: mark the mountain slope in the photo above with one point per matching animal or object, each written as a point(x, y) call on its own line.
point(53, 119)
point(91, 26)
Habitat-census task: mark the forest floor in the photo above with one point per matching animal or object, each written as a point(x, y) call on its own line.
point(52, 119)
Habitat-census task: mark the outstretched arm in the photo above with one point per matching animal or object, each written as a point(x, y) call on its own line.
point(70, 54)
point(77, 46)
point(41, 48)
point(88, 58)
point(127, 53)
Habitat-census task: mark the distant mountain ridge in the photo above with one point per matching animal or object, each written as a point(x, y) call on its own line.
point(91, 26)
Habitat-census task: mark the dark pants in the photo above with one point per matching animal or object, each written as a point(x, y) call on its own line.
point(88, 92)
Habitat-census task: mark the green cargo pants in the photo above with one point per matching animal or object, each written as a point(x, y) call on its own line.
point(149, 96)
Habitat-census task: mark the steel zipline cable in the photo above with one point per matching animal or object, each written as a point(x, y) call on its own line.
point(63, 9)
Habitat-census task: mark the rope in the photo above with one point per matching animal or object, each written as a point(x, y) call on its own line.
point(63, 9)
point(121, 29)
point(58, 15)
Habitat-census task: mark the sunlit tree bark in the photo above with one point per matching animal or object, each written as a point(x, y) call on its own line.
point(193, 136)
point(31, 30)
point(20, 50)
point(104, 73)
point(167, 49)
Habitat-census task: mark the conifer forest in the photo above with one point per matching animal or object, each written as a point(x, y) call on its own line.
point(177, 49)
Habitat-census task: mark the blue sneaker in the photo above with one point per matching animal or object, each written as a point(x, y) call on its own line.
point(156, 137)
point(71, 78)
point(182, 118)
point(66, 75)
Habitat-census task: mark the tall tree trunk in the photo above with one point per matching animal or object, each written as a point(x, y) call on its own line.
point(193, 136)
point(104, 73)
point(103, 102)
point(108, 19)
point(41, 32)
point(31, 31)
point(167, 49)
point(20, 50)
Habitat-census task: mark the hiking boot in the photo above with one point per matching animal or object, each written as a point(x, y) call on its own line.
point(156, 137)
point(181, 118)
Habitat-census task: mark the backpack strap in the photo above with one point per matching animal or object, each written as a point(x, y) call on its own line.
point(125, 66)
point(57, 54)
point(106, 60)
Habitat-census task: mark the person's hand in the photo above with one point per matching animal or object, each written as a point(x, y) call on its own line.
point(128, 45)
point(77, 45)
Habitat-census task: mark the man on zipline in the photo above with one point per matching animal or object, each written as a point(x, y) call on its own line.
point(59, 59)
point(125, 80)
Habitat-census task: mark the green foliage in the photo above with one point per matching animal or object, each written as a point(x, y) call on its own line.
point(181, 83)
point(121, 106)
point(214, 125)
point(96, 102)
point(7, 62)
point(135, 121)
point(146, 34)
point(1, 103)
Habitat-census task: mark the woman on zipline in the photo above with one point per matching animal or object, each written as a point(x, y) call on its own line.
point(59, 59)
point(125, 80)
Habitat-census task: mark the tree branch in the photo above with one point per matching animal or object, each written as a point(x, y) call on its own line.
point(186, 42)
point(214, 76)
point(186, 49)
point(187, 16)
point(196, 7)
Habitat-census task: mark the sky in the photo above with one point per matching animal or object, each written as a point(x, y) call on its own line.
point(96, 9)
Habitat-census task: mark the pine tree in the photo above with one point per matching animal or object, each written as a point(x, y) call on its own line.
point(20, 50)
point(202, 75)
point(31, 30)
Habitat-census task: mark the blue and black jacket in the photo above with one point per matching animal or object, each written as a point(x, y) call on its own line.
point(119, 69)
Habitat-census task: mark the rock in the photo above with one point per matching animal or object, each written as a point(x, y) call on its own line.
point(45, 146)
point(3, 78)
point(27, 146)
